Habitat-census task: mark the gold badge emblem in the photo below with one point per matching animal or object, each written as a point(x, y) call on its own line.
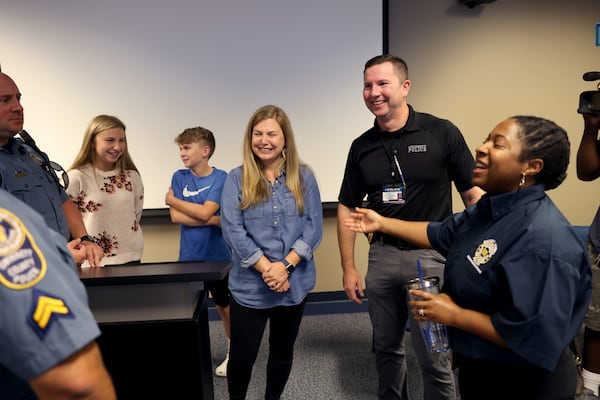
point(485, 251)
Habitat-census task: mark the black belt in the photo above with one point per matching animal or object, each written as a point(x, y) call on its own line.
point(394, 241)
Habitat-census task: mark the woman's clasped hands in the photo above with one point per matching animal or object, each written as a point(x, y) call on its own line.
point(276, 277)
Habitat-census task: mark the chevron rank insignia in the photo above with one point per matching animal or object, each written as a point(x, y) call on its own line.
point(45, 310)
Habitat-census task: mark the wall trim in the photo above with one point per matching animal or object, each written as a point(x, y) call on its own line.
point(318, 303)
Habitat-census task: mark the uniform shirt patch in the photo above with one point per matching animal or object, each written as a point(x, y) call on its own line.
point(483, 254)
point(22, 264)
point(45, 310)
point(485, 251)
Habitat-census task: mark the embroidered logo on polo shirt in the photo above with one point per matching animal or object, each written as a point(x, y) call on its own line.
point(22, 264)
point(417, 148)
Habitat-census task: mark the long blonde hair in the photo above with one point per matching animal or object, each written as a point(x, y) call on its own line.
point(255, 185)
point(87, 153)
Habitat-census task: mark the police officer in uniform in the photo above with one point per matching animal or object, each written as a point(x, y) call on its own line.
point(47, 331)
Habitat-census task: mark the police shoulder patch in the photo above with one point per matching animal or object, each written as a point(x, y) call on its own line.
point(22, 264)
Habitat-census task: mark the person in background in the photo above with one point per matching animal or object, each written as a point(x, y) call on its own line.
point(517, 280)
point(588, 169)
point(47, 332)
point(272, 218)
point(28, 173)
point(404, 165)
point(108, 191)
point(194, 201)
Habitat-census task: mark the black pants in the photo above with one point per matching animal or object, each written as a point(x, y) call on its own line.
point(480, 379)
point(247, 329)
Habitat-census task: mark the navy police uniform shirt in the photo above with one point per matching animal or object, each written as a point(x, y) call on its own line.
point(44, 317)
point(22, 174)
point(514, 256)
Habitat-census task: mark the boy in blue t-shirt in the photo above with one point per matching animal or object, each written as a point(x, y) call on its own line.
point(194, 201)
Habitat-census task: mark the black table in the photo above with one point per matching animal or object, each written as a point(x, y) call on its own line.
point(154, 322)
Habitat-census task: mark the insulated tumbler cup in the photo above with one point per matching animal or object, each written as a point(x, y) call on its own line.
point(435, 334)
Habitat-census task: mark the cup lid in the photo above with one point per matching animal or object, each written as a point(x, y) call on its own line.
point(428, 281)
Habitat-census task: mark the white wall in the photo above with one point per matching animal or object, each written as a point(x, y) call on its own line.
point(162, 66)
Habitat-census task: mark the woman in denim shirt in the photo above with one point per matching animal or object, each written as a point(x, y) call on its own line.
point(272, 219)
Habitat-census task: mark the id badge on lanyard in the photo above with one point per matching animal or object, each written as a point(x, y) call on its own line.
point(393, 194)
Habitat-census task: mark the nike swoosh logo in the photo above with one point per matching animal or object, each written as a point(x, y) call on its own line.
point(188, 193)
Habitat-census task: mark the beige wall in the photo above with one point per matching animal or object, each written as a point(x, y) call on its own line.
point(476, 67)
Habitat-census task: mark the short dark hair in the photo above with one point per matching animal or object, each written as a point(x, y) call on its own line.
point(398, 63)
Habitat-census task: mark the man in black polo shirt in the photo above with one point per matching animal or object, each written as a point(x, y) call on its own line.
point(405, 165)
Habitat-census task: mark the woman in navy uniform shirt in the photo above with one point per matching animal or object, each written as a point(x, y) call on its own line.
point(517, 279)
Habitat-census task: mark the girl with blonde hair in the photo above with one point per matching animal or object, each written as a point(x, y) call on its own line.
point(108, 191)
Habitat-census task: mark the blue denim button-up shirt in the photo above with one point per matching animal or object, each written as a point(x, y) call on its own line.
point(272, 229)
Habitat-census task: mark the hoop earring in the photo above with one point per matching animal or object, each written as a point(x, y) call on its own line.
point(522, 181)
point(284, 154)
